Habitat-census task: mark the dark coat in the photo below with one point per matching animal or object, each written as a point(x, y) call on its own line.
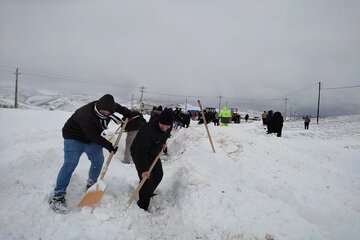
point(147, 145)
point(85, 126)
point(135, 122)
point(307, 119)
point(277, 122)
point(154, 115)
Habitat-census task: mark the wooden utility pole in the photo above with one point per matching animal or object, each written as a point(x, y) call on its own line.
point(318, 108)
point(220, 103)
point(286, 100)
point(17, 73)
point(141, 98)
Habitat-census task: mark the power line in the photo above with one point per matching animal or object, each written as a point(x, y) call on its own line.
point(66, 78)
point(344, 87)
point(165, 94)
point(85, 81)
point(178, 95)
point(7, 66)
point(301, 89)
point(8, 71)
point(248, 100)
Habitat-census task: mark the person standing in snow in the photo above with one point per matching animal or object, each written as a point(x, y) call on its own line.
point(306, 122)
point(269, 122)
point(155, 113)
point(146, 146)
point(246, 117)
point(264, 116)
point(277, 122)
point(82, 134)
point(216, 119)
point(225, 116)
point(187, 119)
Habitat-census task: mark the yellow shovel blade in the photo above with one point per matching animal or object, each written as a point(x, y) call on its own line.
point(91, 198)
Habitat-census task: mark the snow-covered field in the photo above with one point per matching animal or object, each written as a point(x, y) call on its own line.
point(305, 185)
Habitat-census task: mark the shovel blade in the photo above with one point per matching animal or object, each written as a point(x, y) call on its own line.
point(93, 195)
point(90, 199)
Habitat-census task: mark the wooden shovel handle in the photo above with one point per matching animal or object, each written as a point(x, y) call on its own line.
point(206, 127)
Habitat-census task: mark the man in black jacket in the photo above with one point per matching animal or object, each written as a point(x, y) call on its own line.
point(82, 134)
point(277, 122)
point(146, 146)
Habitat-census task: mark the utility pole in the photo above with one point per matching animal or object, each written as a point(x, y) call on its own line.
point(219, 102)
point(17, 73)
point(318, 108)
point(290, 113)
point(286, 100)
point(132, 101)
point(141, 98)
point(186, 100)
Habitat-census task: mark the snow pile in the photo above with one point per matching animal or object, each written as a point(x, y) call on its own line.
point(305, 185)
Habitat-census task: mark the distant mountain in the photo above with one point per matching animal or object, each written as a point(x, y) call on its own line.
point(44, 99)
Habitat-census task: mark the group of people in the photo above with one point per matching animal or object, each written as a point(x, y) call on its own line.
point(82, 134)
point(273, 121)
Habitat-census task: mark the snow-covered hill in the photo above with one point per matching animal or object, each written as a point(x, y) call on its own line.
point(49, 100)
point(305, 185)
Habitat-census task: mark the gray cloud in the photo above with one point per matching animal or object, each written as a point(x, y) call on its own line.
point(254, 50)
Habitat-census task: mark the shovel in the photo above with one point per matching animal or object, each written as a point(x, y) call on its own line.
point(206, 127)
point(135, 193)
point(95, 193)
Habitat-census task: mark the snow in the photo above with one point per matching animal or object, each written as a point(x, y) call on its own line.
point(305, 185)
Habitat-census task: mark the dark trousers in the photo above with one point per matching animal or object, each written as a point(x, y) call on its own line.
point(269, 129)
point(147, 190)
point(306, 125)
point(264, 121)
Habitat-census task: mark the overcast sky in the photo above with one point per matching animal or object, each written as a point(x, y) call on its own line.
point(254, 50)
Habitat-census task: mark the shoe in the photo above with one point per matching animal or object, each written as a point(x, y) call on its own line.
point(143, 205)
point(58, 204)
point(88, 186)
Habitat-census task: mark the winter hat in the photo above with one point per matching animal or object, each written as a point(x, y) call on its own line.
point(166, 117)
point(106, 102)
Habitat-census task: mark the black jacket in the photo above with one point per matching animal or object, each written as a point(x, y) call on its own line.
point(147, 145)
point(136, 122)
point(277, 121)
point(85, 126)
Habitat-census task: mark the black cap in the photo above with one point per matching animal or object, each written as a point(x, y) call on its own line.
point(166, 117)
point(106, 102)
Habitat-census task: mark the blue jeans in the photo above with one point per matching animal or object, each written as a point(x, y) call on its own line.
point(72, 152)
